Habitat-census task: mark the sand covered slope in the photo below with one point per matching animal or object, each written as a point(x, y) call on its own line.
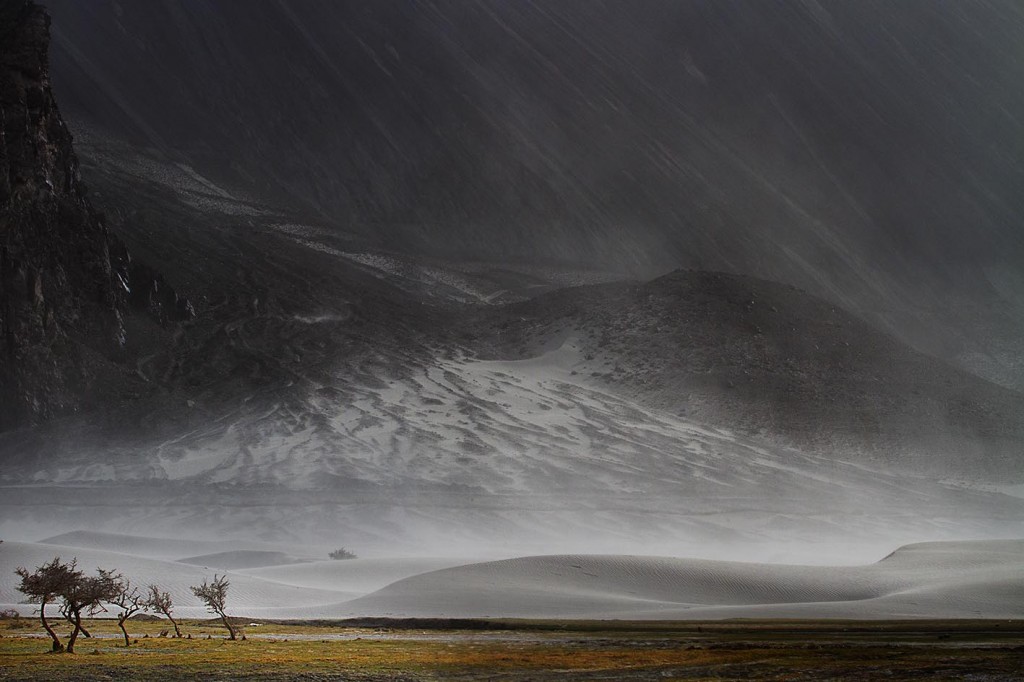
point(247, 595)
point(938, 580)
point(526, 454)
point(243, 558)
point(136, 545)
point(965, 579)
point(353, 575)
point(298, 588)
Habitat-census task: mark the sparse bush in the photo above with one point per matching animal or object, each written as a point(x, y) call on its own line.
point(16, 622)
point(342, 553)
point(145, 618)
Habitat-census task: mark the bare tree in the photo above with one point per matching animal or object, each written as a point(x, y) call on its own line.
point(214, 595)
point(87, 595)
point(45, 586)
point(160, 602)
point(130, 601)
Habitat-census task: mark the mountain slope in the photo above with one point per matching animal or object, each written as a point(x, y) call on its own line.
point(326, 375)
point(769, 360)
point(867, 152)
point(332, 389)
point(590, 416)
point(755, 357)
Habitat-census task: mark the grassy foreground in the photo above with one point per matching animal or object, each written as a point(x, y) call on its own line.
point(527, 650)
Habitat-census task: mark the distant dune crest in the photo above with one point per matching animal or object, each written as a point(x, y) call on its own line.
point(932, 580)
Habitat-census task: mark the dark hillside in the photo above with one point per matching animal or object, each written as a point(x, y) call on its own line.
point(768, 359)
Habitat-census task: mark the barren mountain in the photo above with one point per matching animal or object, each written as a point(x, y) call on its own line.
point(866, 152)
point(332, 385)
point(773, 361)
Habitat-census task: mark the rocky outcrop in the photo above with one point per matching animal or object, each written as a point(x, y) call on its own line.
point(147, 291)
point(65, 282)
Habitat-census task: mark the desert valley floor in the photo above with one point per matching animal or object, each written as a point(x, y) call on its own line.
point(975, 579)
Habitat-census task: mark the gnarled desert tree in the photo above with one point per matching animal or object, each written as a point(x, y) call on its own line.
point(46, 585)
point(215, 595)
point(160, 602)
point(129, 601)
point(87, 595)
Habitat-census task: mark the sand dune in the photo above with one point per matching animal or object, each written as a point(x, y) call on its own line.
point(243, 558)
point(247, 595)
point(936, 580)
point(952, 579)
point(139, 545)
point(353, 575)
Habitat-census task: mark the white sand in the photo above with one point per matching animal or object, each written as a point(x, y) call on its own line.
point(246, 595)
point(243, 558)
point(353, 575)
point(954, 579)
point(937, 580)
point(137, 545)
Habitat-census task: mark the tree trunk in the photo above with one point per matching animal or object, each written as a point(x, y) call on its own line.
point(57, 646)
point(228, 625)
point(74, 632)
point(120, 624)
point(81, 628)
point(177, 630)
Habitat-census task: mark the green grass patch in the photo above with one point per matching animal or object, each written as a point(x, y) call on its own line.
point(537, 651)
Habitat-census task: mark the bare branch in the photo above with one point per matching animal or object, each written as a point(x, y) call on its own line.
point(160, 602)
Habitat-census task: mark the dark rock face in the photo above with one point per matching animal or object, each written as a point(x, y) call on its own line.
point(57, 290)
point(65, 282)
point(147, 291)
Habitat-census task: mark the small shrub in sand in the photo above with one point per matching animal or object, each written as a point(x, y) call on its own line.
point(342, 553)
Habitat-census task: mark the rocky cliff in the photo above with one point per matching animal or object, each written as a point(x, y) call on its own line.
point(65, 281)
